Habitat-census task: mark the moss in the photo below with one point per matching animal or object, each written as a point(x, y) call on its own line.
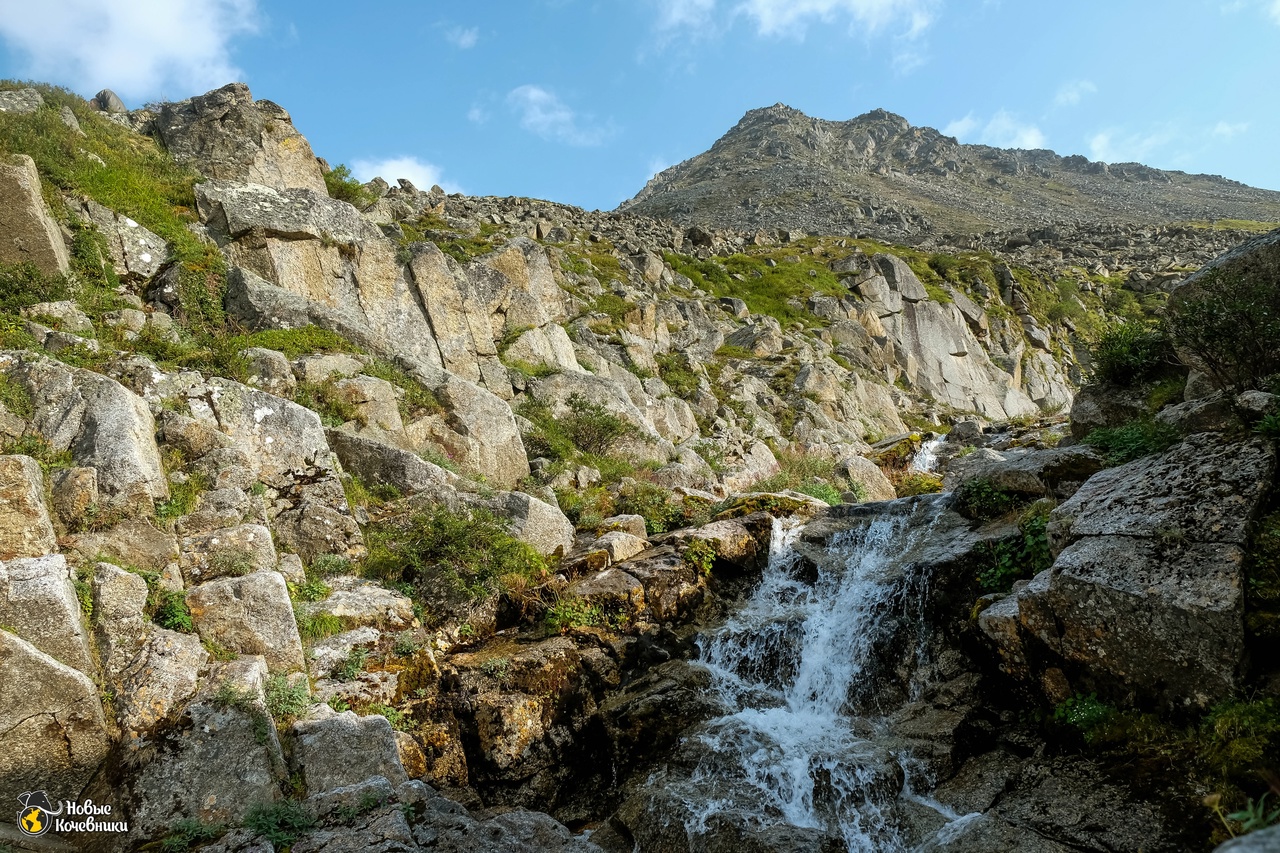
point(294, 343)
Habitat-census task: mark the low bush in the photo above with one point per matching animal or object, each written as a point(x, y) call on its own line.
point(1128, 353)
point(1020, 557)
point(571, 612)
point(588, 428)
point(169, 610)
point(981, 500)
point(1231, 325)
point(285, 701)
point(280, 823)
point(1132, 440)
point(188, 833)
point(343, 186)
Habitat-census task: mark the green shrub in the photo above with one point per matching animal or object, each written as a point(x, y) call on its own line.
point(701, 555)
point(343, 186)
point(1128, 353)
point(312, 589)
point(1231, 325)
point(183, 498)
point(328, 565)
point(286, 702)
point(1019, 557)
point(331, 402)
point(280, 823)
point(189, 832)
point(169, 610)
point(1085, 713)
point(981, 500)
point(399, 720)
point(442, 551)
point(1132, 440)
point(677, 371)
point(353, 665)
point(571, 612)
point(588, 428)
point(1269, 426)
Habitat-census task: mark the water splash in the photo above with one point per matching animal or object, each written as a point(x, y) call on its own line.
point(926, 459)
point(790, 667)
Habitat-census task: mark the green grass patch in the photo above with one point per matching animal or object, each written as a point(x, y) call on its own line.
point(809, 474)
point(295, 343)
point(280, 823)
point(571, 612)
point(188, 833)
point(1126, 354)
point(169, 610)
point(1132, 441)
point(286, 702)
point(417, 401)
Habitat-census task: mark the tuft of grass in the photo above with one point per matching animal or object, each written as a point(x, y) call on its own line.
point(677, 371)
point(280, 823)
point(351, 668)
point(416, 401)
point(1128, 353)
point(328, 401)
point(1132, 441)
point(807, 473)
point(188, 833)
point(183, 498)
point(37, 448)
point(315, 627)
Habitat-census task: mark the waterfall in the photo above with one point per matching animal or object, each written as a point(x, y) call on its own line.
point(789, 668)
point(926, 459)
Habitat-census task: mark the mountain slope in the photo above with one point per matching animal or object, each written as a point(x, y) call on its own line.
point(877, 175)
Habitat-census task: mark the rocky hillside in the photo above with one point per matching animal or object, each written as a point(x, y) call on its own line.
point(320, 500)
point(877, 176)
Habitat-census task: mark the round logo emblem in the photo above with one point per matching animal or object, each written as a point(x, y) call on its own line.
point(34, 816)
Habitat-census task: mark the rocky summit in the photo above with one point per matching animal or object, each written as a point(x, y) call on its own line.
point(875, 175)
point(764, 515)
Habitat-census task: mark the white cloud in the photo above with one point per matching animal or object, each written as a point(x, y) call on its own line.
point(656, 165)
point(1110, 146)
point(477, 114)
point(142, 49)
point(463, 38)
point(1274, 11)
point(684, 14)
point(543, 113)
point(961, 127)
point(1003, 130)
point(1070, 94)
point(424, 175)
point(792, 17)
point(1229, 130)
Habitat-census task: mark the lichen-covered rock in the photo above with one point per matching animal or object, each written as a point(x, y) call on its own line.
point(620, 545)
point(231, 551)
point(334, 750)
point(864, 472)
point(30, 234)
point(226, 135)
point(53, 733)
point(251, 615)
point(120, 625)
point(270, 370)
point(38, 602)
point(161, 677)
point(137, 254)
point(132, 542)
point(25, 527)
point(359, 603)
point(732, 542)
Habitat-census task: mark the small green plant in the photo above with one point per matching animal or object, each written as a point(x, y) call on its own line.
point(313, 627)
point(1133, 440)
point(701, 556)
point(280, 823)
point(330, 401)
point(231, 562)
point(1269, 426)
point(1230, 324)
point(1023, 556)
point(16, 398)
point(286, 701)
point(37, 448)
point(399, 720)
point(231, 696)
point(183, 498)
point(353, 665)
point(981, 500)
point(1084, 713)
point(677, 371)
point(338, 704)
point(572, 612)
point(189, 832)
point(312, 589)
point(343, 186)
point(406, 644)
point(496, 668)
point(1255, 815)
point(169, 610)
point(1127, 353)
point(328, 565)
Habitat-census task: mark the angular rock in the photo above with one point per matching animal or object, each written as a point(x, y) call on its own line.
point(226, 135)
point(376, 462)
point(270, 371)
point(38, 602)
point(119, 621)
point(620, 545)
point(335, 750)
point(533, 522)
point(137, 254)
point(359, 603)
point(133, 542)
point(232, 551)
point(159, 680)
point(732, 542)
point(633, 524)
point(864, 472)
point(20, 101)
point(53, 733)
point(251, 615)
point(25, 527)
point(30, 236)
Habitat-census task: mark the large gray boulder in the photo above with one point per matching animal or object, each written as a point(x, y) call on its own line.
point(25, 527)
point(217, 759)
point(251, 615)
point(159, 679)
point(53, 733)
point(29, 233)
point(38, 602)
point(226, 135)
point(120, 625)
point(376, 462)
point(1145, 600)
point(105, 426)
point(334, 750)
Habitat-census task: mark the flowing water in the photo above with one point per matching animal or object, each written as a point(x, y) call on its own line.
point(792, 668)
point(926, 459)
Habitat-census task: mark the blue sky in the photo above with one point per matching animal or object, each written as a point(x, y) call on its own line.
point(581, 101)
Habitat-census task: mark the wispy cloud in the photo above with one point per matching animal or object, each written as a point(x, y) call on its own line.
point(1274, 10)
point(142, 49)
point(1114, 146)
point(477, 114)
point(1070, 94)
point(684, 14)
point(1229, 130)
point(1002, 130)
point(424, 175)
point(541, 112)
point(656, 165)
point(793, 17)
point(463, 38)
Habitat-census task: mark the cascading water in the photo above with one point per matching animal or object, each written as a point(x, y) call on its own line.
point(789, 667)
point(926, 459)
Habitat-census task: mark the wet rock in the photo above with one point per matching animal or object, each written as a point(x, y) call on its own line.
point(1033, 473)
point(733, 543)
